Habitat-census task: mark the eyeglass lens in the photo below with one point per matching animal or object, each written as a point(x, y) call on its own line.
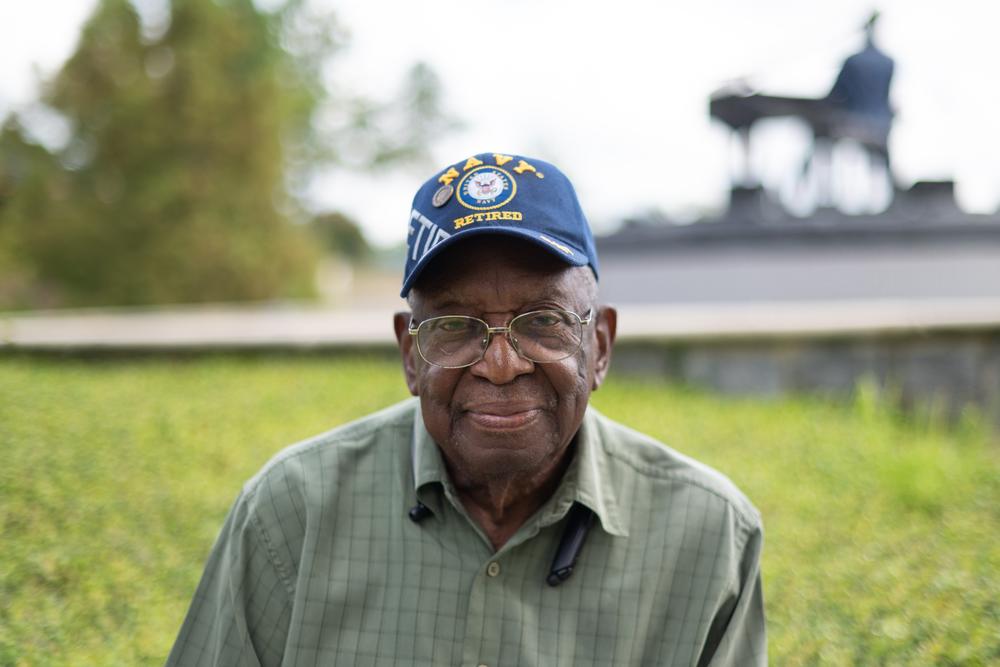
point(542, 336)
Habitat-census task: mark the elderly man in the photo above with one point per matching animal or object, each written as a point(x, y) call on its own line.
point(496, 519)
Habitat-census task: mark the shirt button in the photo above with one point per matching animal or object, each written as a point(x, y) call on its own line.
point(493, 569)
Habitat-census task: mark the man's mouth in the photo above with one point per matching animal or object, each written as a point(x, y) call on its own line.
point(502, 416)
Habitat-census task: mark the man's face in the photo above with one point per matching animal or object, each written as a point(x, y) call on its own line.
point(504, 415)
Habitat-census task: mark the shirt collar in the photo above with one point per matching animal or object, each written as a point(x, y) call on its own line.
point(589, 471)
point(428, 465)
point(586, 481)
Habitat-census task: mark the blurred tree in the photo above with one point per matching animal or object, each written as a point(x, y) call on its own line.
point(341, 236)
point(23, 168)
point(377, 134)
point(183, 149)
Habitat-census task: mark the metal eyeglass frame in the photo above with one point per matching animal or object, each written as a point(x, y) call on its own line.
point(506, 330)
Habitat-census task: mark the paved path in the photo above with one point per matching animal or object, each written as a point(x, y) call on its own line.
point(254, 327)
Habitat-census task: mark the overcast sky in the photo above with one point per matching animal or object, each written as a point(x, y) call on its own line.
point(616, 93)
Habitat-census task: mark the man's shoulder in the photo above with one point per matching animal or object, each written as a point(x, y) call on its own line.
point(645, 457)
point(341, 447)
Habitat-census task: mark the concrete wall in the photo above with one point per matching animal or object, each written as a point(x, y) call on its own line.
point(941, 371)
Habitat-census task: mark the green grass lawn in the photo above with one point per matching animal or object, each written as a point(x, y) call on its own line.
point(881, 533)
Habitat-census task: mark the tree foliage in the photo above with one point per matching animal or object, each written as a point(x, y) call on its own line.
point(339, 235)
point(174, 184)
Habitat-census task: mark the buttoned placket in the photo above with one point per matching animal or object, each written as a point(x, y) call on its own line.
point(481, 644)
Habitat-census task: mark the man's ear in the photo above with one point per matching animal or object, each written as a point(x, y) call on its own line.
point(605, 329)
point(401, 324)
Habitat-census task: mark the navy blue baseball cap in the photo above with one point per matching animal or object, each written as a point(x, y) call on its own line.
point(497, 193)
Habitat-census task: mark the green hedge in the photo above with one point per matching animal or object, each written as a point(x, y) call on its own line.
point(881, 532)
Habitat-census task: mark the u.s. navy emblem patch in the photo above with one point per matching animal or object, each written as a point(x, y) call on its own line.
point(486, 188)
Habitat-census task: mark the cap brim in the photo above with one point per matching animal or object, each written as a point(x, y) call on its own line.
point(558, 247)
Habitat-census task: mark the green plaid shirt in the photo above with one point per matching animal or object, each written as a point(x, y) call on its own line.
point(318, 562)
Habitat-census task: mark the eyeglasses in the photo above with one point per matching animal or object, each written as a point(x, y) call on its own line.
point(542, 336)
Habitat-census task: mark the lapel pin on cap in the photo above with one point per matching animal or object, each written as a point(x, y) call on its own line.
point(442, 195)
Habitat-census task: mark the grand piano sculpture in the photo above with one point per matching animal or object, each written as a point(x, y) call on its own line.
point(856, 108)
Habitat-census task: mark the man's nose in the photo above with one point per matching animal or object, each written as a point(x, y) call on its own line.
point(501, 363)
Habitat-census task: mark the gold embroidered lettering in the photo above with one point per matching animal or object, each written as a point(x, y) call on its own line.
point(523, 166)
point(470, 163)
point(502, 159)
point(447, 177)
